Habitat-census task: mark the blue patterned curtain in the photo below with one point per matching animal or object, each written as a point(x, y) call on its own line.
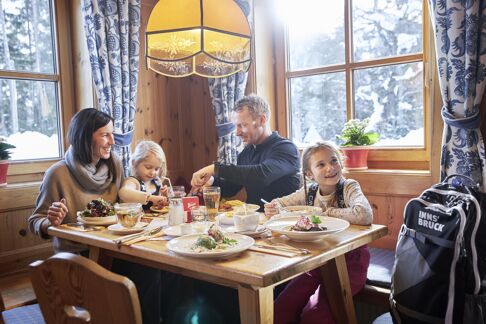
point(460, 37)
point(112, 33)
point(224, 93)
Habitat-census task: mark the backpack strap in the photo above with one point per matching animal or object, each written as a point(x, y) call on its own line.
point(424, 238)
point(340, 193)
point(311, 195)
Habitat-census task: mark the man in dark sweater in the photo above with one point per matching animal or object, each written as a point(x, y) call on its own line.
point(267, 167)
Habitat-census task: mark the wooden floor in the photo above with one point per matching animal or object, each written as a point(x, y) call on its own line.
point(16, 290)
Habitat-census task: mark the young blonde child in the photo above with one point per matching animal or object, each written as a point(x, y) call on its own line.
point(147, 164)
point(304, 299)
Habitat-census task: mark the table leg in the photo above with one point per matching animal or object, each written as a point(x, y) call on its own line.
point(256, 305)
point(339, 291)
point(96, 254)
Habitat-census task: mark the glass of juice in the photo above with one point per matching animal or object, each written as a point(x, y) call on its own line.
point(211, 196)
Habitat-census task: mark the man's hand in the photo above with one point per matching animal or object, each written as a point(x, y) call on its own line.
point(202, 177)
point(57, 211)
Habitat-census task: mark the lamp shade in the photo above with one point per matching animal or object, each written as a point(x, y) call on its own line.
point(211, 38)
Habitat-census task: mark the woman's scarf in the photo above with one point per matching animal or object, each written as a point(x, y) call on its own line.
point(91, 177)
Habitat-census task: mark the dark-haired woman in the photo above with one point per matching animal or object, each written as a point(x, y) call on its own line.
point(90, 170)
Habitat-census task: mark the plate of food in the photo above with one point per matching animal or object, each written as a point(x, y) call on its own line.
point(160, 210)
point(214, 244)
point(228, 205)
point(98, 212)
point(306, 228)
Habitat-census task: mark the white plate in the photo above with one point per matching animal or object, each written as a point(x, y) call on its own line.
point(118, 229)
point(259, 230)
point(102, 220)
point(309, 209)
point(281, 225)
point(182, 245)
point(176, 230)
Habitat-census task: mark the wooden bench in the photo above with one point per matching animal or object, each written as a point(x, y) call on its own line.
point(16, 290)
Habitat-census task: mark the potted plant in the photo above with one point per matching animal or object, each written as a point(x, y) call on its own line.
point(355, 139)
point(4, 156)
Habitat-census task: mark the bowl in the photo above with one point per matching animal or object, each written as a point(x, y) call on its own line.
point(246, 221)
point(282, 225)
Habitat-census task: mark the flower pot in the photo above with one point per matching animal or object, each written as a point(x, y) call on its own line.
point(3, 172)
point(356, 157)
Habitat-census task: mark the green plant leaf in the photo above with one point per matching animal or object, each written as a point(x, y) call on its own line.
point(315, 219)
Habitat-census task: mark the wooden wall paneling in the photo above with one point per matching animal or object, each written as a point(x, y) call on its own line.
point(18, 246)
point(199, 142)
point(388, 210)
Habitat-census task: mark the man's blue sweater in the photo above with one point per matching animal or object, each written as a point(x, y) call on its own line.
point(268, 170)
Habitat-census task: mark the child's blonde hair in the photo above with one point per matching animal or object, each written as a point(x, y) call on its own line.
point(310, 150)
point(142, 151)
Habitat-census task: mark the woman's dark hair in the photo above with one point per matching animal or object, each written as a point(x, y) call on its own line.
point(80, 135)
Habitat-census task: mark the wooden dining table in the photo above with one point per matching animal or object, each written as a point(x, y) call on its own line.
point(253, 273)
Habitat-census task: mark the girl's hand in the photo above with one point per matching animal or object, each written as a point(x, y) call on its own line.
point(164, 191)
point(57, 211)
point(271, 209)
point(159, 201)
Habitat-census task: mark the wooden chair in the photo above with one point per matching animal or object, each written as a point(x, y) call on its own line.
point(71, 288)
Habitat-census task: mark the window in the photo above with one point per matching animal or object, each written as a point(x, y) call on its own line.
point(29, 79)
point(356, 59)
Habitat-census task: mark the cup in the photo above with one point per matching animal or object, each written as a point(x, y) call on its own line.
point(199, 219)
point(128, 214)
point(211, 196)
point(245, 221)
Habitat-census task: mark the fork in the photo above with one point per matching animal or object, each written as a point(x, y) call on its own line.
point(271, 242)
point(137, 235)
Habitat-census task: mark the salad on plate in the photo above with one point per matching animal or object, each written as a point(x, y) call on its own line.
point(215, 240)
point(98, 208)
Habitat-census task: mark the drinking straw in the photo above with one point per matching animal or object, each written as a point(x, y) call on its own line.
point(170, 184)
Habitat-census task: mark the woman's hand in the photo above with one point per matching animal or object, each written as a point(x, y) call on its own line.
point(271, 209)
point(57, 211)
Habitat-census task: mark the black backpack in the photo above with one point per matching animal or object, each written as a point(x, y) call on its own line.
point(440, 259)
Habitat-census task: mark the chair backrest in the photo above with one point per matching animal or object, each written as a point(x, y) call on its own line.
point(71, 288)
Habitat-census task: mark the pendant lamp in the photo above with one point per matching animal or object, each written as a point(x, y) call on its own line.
point(210, 38)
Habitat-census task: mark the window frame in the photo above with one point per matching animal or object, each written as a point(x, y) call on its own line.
point(32, 170)
point(412, 158)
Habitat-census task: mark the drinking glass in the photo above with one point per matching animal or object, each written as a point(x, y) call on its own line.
point(198, 219)
point(177, 192)
point(128, 214)
point(211, 196)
